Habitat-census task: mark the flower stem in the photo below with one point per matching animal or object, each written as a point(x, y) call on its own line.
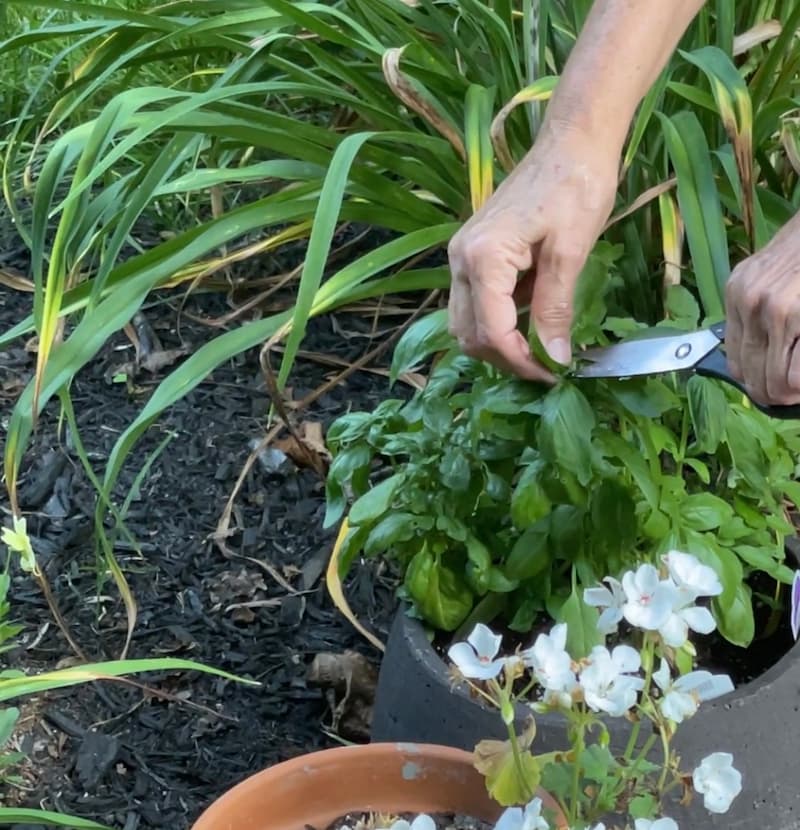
point(514, 741)
point(665, 745)
point(634, 737)
point(580, 746)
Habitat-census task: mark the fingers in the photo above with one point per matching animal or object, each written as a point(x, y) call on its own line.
point(763, 307)
point(483, 313)
point(558, 269)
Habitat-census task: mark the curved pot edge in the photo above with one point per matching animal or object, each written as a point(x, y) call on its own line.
point(444, 776)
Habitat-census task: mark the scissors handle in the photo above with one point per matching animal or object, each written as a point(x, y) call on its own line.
point(715, 365)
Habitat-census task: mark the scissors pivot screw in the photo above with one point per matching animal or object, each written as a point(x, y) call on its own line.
point(684, 350)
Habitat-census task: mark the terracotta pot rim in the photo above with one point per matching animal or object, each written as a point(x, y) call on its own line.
point(315, 788)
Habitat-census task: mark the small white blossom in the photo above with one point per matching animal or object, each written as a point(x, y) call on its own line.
point(475, 659)
point(606, 681)
point(611, 600)
point(422, 822)
point(659, 824)
point(649, 601)
point(598, 826)
point(718, 781)
point(552, 665)
point(682, 696)
point(528, 818)
point(675, 631)
point(691, 577)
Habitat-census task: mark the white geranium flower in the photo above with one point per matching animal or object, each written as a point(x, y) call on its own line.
point(528, 818)
point(552, 665)
point(422, 822)
point(675, 631)
point(718, 781)
point(682, 696)
point(606, 681)
point(475, 659)
point(659, 824)
point(691, 577)
point(649, 601)
point(611, 600)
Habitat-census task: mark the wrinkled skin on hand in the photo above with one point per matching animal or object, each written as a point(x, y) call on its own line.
point(528, 244)
point(763, 320)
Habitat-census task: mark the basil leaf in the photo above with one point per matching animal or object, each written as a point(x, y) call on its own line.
point(708, 409)
point(581, 620)
point(422, 339)
point(565, 431)
point(531, 552)
point(376, 501)
point(735, 616)
point(529, 502)
point(614, 525)
point(394, 528)
point(704, 511)
point(441, 595)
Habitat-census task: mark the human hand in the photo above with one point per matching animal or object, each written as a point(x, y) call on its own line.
point(763, 320)
point(541, 223)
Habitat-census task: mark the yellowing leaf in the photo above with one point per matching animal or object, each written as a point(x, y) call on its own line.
point(509, 779)
point(18, 541)
point(334, 584)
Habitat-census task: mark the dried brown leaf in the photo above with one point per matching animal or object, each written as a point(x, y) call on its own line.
point(415, 99)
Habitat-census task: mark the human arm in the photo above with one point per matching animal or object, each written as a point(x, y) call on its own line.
point(547, 215)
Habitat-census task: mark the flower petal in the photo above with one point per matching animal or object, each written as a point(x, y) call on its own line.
point(699, 619)
point(485, 642)
point(677, 706)
point(608, 622)
point(510, 819)
point(662, 676)
point(598, 597)
point(795, 605)
point(705, 685)
point(423, 822)
point(626, 659)
point(675, 631)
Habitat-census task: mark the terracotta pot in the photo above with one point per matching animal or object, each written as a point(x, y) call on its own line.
point(316, 789)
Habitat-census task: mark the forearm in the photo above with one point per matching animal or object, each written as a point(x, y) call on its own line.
point(621, 50)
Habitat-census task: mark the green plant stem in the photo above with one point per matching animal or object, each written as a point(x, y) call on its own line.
point(514, 741)
point(684, 442)
point(665, 745)
point(580, 746)
point(642, 756)
point(634, 737)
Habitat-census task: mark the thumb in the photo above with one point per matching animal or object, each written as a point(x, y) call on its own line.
point(553, 299)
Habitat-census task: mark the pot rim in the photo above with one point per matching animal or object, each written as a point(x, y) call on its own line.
point(436, 766)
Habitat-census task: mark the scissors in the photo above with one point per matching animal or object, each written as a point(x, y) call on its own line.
point(699, 352)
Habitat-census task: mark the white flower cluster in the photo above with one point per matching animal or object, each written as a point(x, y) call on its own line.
point(651, 603)
point(609, 681)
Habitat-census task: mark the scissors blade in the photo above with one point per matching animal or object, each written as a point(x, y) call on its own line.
point(649, 356)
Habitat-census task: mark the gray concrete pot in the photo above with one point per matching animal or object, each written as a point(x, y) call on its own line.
point(759, 723)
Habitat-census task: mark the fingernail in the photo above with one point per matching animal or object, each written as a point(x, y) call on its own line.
point(559, 349)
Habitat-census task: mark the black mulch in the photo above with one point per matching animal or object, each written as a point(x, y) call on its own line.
point(116, 753)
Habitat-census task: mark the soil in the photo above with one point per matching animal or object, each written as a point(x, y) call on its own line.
point(155, 755)
point(443, 821)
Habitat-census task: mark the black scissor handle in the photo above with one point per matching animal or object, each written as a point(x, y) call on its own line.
point(715, 365)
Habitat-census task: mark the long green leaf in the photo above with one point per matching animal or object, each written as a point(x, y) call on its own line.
point(19, 815)
point(700, 207)
point(325, 219)
point(14, 687)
